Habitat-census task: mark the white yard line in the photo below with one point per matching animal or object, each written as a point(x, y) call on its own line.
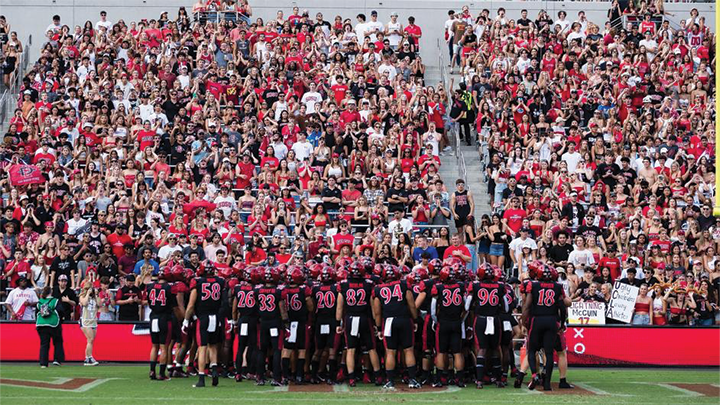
point(688, 393)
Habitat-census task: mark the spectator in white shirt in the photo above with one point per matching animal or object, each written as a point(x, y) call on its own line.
point(373, 26)
point(581, 256)
point(167, 250)
point(360, 28)
point(399, 225)
point(21, 301)
point(103, 22)
point(303, 149)
point(311, 98)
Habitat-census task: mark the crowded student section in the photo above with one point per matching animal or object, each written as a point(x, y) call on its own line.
point(216, 140)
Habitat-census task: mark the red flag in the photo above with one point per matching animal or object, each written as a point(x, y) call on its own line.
point(22, 175)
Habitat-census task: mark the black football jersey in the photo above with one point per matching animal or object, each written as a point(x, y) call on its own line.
point(209, 294)
point(392, 299)
point(487, 297)
point(325, 296)
point(357, 296)
point(295, 303)
point(450, 300)
point(160, 298)
point(244, 293)
point(268, 301)
point(545, 298)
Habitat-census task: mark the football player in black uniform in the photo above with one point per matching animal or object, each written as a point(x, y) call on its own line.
point(447, 310)
point(299, 305)
point(544, 312)
point(394, 311)
point(485, 297)
point(354, 317)
point(160, 299)
point(325, 297)
point(207, 292)
point(273, 320)
point(245, 316)
point(424, 283)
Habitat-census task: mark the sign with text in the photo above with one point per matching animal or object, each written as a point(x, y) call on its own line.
point(586, 313)
point(622, 302)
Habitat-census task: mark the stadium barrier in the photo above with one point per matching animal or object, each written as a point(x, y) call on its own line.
point(115, 341)
point(587, 345)
point(621, 345)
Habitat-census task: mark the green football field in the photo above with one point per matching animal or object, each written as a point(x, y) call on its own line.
point(128, 384)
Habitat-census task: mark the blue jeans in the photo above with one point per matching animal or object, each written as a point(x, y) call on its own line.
point(704, 322)
point(473, 265)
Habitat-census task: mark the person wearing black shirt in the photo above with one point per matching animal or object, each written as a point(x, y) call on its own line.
point(523, 22)
point(128, 298)
point(332, 195)
point(67, 297)
point(172, 106)
point(705, 219)
point(62, 265)
point(397, 196)
point(630, 279)
point(584, 286)
point(608, 171)
point(626, 171)
point(406, 52)
point(559, 252)
point(588, 229)
point(592, 294)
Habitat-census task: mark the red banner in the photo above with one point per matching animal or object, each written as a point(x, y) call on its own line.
point(587, 345)
point(638, 346)
point(113, 342)
point(22, 175)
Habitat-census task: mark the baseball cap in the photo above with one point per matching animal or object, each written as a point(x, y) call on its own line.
point(63, 277)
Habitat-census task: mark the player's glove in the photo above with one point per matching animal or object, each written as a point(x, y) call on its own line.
point(185, 326)
point(230, 325)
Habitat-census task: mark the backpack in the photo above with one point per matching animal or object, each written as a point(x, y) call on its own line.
point(45, 311)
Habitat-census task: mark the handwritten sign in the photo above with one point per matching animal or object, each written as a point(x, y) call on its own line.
point(586, 313)
point(622, 302)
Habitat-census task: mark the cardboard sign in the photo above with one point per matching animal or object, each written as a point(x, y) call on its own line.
point(622, 302)
point(586, 313)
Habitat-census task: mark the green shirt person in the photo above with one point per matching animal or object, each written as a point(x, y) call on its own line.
point(49, 328)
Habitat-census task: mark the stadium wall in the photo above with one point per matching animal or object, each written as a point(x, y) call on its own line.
point(587, 345)
point(33, 16)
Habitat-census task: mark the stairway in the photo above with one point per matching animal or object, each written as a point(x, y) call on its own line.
point(450, 172)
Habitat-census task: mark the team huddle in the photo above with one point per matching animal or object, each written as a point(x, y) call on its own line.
point(357, 321)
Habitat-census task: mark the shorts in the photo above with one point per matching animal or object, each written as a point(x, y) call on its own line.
point(497, 249)
point(270, 335)
point(302, 336)
point(88, 323)
point(483, 340)
point(399, 333)
point(507, 335)
point(483, 248)
point(209, 330)
point(640, 319)
point(161, 329)
point(325, 334)
point(359, 332)
point(448, 338)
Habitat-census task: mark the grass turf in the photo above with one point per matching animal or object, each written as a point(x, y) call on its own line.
point(123, 384)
